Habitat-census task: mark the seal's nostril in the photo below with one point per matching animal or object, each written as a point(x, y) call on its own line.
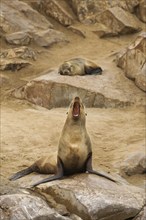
point(77, 98)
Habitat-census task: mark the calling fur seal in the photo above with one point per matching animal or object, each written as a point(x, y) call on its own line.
point(74, 150)
point(79, 66)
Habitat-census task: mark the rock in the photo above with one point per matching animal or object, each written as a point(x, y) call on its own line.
point(119, 21)
point(18, 38)
point(141, 11)
point(48, 37)
point(24, 207)
point(107, 90)
point(19, 52)
point(21, 17)
point(134, 164)
point(103, 31)
point(93, 197)
point(140, 79)
point(77, 30)
point(13, 64)
point(141, 215)
point(54, 9)
point(14, 59)
point(24, 24)
point(3, 79)
point(88, 10)
point(133, 61)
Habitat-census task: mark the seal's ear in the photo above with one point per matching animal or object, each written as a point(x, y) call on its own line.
point(67, 113)
point(86, 114)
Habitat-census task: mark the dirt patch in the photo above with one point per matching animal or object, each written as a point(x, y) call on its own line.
point(29, 132)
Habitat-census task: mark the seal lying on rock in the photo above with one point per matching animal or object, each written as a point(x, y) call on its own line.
point(79, 66)
point(74, 150)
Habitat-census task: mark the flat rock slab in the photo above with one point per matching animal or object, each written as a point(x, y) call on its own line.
point(111, 89)
point(93, 197)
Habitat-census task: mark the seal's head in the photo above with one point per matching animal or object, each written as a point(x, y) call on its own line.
point(76, 110)
point(66, 69)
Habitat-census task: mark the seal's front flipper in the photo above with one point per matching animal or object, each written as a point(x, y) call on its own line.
point(89, 169)
point(57, 176)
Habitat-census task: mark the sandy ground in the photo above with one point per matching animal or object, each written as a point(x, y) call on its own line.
point(29, 132)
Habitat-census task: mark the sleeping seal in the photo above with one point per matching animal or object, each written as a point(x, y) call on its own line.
point(79, 66)
point(74, 150)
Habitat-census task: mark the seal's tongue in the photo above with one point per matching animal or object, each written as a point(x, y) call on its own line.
point(76, 109)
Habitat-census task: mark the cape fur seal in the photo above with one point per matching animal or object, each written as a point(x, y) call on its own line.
point(79, 66)
point(74, 150)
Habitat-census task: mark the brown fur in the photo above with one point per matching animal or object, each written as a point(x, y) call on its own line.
point(74, 144)
point(74, 150)
point(79, 66)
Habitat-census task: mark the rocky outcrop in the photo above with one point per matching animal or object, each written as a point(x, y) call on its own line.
point(119, 21)
point(54, 9)
point(13, 65)
point(21, 17)
point(24, 207)
point(95, 197)
point(19, 52)
point(48, 37)
point(23, 25)
point(134, 164)
point(106, 90)
point(16, 58)
point(141, 10)
point(88, 10)
point(83, 196)
point(133, 61)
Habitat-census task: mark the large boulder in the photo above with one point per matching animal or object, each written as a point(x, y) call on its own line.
point(141, 10)
point(93, 197)
point(119, 21)
point(135, 163)
point(21, 17)
point(48, 37)
point(88, 10)
point(55, 9)
point(107, 90)
point(133, 61)
point(23, 25)
point(25, 206)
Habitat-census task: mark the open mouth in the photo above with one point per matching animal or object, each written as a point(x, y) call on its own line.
point(76, 110)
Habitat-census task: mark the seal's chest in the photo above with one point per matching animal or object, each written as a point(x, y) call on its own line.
point(75, 158)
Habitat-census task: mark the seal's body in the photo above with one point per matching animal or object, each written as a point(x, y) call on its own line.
point(74, 150)
point(79, 66)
